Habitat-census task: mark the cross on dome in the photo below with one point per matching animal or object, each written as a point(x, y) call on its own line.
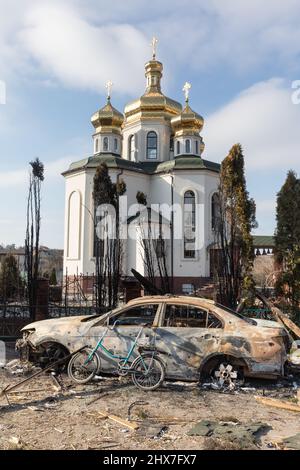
point(153, 44)
point(109, 86)
point(186, 89)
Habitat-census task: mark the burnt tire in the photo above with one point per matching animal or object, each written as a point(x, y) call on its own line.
point(51, 353)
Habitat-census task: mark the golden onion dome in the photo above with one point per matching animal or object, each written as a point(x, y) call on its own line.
point(153, 103)
point(107, 119)
point(188, 122)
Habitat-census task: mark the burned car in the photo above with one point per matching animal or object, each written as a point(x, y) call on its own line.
point(196, 337)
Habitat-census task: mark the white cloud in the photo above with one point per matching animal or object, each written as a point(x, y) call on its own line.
point(264, 120)
point(82, 43)
point(81, 54)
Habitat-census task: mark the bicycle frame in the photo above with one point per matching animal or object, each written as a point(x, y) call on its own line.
point(101, 346)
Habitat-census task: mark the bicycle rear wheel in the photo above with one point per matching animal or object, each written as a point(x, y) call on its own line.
point(81, 369)
point(148, 372)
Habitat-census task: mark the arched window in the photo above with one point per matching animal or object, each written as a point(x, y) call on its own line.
point(171, 144)
point(152, 145)
point(178, 147)
point(215, 211)
point(131, 148)
point(115, 144)
point(188, 146)
point(105, 144)
point(189, 211)
point(97, 146)
point(196, 147)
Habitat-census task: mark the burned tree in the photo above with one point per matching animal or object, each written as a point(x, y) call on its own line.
point(32, 241)
point(153, 247)
point(233, 222)
point(107, 241)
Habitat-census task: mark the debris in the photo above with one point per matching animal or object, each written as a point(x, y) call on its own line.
point(58, 385)
point(278, 404)
point(240, 434)
point(248, 389)
point(292, 442)
point(160, 434)
point(129, 424)
point(132, 405)
point(101, 395)
point(36, 390)
point(211, 385)
point(36, 408)
point(58, 430)
point(16, 443)
point(8, 389)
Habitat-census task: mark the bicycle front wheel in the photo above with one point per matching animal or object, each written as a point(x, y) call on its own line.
point(82, 368)
point(148, 372)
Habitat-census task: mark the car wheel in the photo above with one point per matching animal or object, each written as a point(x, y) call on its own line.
point(51, 353)
point(225, 375)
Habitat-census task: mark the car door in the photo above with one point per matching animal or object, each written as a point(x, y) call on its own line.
point(127, 324)
point(187, 333)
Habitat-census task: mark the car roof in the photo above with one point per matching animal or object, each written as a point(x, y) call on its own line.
point(171, 298)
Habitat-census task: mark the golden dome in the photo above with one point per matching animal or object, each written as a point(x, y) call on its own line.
point(107, 119)
point(188, 122)
point(153, 103)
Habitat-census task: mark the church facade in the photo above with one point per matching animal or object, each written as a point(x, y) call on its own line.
point(156, 147)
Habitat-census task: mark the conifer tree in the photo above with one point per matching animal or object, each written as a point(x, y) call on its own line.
point(11, 283)
point(287, 241)
point(53, 278)
point(232, 227)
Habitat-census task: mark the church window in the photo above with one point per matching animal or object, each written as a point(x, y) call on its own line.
point(178, 148)
point(131, 148)
point(188, 146)
point(215, 211)
point(197, 147)
point(105, 144)
point(152, 145)
point(189, 224)
point(115, 145)
point(171, 144)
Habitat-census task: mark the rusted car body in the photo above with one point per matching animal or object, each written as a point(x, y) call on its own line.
point(193, 335)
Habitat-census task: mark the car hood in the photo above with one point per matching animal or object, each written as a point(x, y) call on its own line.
point(63, 322)
point(267, 323)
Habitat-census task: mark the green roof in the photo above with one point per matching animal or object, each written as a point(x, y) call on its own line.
point(263, 241)
point(192, 162)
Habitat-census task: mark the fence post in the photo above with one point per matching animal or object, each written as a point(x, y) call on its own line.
point(42, 299)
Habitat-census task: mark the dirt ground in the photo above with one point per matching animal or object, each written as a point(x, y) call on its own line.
point(69, 418)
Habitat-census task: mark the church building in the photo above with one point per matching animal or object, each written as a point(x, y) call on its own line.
point(156, 147)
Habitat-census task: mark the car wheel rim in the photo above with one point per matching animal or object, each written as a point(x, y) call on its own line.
point(226, 376)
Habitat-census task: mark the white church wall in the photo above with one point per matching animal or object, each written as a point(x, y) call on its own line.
point(204, 184)
point(140, 130)
point(74, 222)
point(134, 182)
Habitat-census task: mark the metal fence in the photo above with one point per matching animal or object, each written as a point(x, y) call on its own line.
point(14, 317)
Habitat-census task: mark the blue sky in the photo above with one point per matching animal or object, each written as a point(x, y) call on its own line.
point(55, 57)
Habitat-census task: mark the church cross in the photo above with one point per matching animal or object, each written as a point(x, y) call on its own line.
point(186, 89)
point(108, 86)
point(154, 46)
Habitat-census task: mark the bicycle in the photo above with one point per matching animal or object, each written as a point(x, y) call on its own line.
point(147, 370)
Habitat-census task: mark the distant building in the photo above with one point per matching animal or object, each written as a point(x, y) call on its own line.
point(49, 258)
